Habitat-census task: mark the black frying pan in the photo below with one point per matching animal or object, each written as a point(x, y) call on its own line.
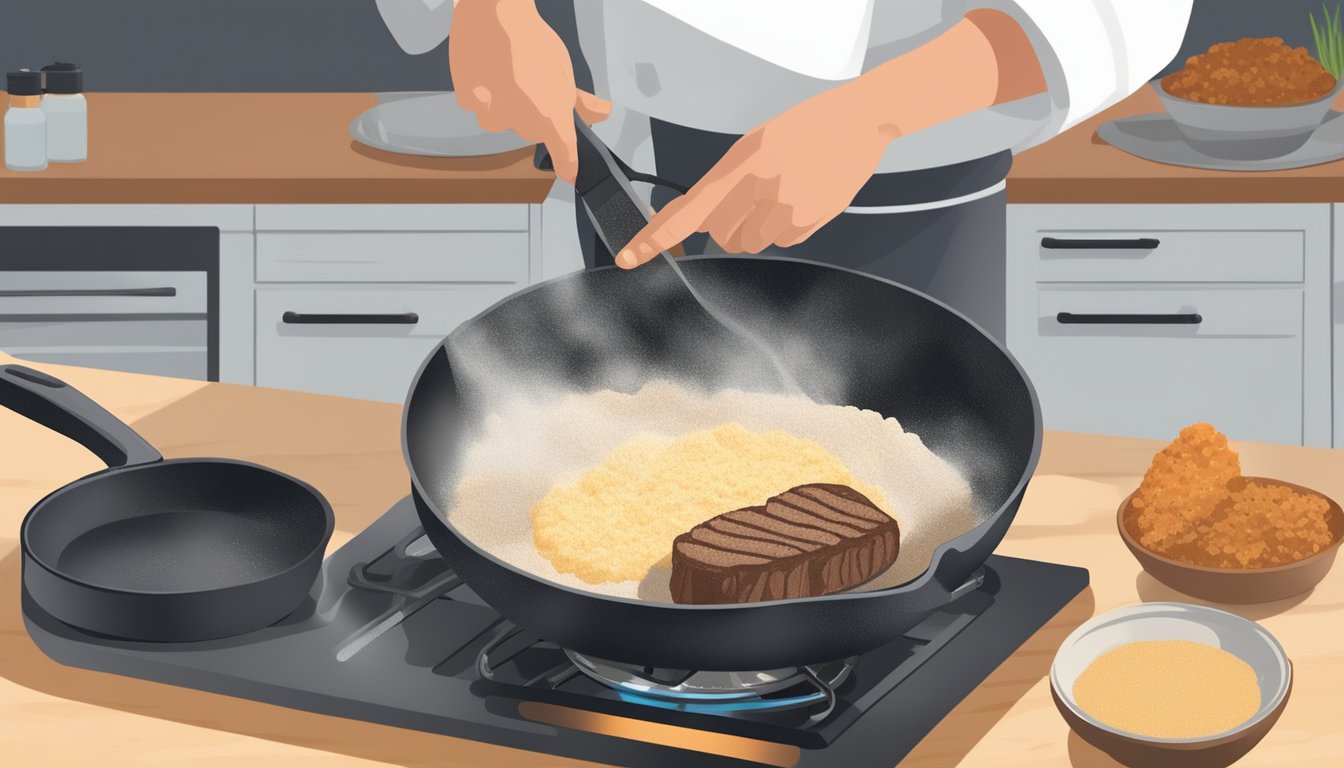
point(178, 550)
point(904, 355)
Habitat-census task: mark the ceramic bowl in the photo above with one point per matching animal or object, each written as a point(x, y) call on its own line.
point(1173, 621)
point(1236, 585)
point(1246, 133)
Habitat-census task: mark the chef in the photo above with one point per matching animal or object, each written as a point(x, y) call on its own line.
point(871, 134)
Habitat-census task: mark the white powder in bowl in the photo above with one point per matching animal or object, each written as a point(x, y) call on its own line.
point(528, 447)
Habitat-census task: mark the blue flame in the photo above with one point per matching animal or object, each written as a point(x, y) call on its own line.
point(695, 703)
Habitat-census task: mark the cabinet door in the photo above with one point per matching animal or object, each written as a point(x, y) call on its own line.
point(358, 341)
point(1146, 361)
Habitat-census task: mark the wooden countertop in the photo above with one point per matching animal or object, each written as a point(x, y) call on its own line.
point(259, 148)
point(52, 715)
point(295, 148)
point(1078, 167)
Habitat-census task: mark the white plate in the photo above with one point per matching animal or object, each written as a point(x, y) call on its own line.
point(1244, 639)
point(1155, 137)
point(430, 124)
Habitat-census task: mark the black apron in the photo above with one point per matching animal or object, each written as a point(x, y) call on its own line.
point(954, 253)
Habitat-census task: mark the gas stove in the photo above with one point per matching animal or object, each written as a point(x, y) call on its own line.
point(390, 634)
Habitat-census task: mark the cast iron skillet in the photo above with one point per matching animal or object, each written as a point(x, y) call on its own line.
point(906, 356)
point(178, 550)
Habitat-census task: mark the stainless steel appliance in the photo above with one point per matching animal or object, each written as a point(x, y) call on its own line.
point(137, 299)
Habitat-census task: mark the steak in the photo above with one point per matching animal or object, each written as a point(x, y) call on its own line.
point(812, 540)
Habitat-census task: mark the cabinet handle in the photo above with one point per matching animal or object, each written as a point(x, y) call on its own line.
point(1131, 244)
point(1181, 318)
point(303, 318)
point(54, 292)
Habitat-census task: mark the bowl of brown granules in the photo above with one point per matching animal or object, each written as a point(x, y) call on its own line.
point(1161, 684)
point(1199, 526)
point(1249, 99)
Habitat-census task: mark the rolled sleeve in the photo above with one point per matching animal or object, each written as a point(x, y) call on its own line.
point(418, 26)
point(1096, 52)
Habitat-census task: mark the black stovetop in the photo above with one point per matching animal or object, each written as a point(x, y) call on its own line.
point(389, 634)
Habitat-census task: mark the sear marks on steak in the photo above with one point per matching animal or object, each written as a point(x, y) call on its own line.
point(812, 540)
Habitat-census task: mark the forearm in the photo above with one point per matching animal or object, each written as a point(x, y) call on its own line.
point(984, 60)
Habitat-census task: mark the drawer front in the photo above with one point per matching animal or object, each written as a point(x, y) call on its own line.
point(1269, 243)
point(1168, 312)
point(386, 218)
point(95, 292)
point(1134, 362)
point(103, 333)
point(1159, 255)
point(182, 364)
point(362, 342)
point(364, 257)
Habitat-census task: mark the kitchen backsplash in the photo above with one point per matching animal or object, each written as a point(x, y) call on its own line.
point(341, 45)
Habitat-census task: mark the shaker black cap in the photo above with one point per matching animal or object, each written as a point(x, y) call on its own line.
point(24, 83)
point(64, 78)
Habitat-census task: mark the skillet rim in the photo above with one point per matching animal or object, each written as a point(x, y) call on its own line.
point(960, 543)
point(301, 562)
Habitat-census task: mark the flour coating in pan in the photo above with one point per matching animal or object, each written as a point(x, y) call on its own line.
point(529, 446)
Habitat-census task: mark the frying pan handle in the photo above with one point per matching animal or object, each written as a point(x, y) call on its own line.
point(60, 407)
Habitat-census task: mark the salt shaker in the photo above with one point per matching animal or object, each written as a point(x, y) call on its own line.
point(67, 113)
point(25, 125)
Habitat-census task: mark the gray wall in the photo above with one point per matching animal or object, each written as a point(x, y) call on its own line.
point(341, 45)
point(216, 45)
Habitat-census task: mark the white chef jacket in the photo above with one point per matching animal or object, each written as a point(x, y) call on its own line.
point(729, 65)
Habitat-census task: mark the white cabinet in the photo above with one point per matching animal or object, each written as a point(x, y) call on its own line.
point(351, 298)
point(318, 298)
point(1102, 301)
point(1139, 319)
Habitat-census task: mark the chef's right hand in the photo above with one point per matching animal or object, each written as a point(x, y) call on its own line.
point(513, 71)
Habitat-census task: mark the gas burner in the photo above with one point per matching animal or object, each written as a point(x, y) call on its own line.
point(514, 657)
point(722, 693)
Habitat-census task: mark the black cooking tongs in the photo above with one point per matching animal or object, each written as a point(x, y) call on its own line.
point(603, 186)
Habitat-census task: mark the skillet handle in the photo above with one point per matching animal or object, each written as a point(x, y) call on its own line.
point(58, 406)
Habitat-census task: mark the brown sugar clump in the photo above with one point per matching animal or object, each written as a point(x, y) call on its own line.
point(1183, 486)
point(1251, 72)
point(1194, 506)
point(1263, 524)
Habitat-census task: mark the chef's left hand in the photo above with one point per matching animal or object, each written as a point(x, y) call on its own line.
point(779, 183)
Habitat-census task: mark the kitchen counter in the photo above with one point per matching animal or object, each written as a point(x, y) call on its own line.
point(259, 148)
point(1078, 167)
point(350, 450)
point(295, 147)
